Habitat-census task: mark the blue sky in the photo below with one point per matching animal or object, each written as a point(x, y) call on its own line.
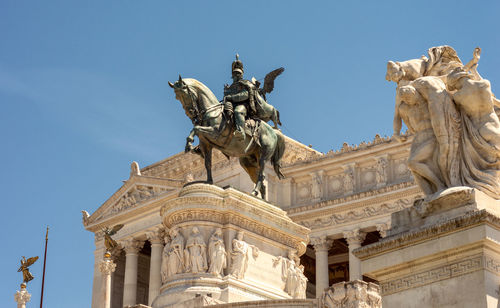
point(83, 92)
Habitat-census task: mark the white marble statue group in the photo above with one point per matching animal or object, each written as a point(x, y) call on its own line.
point(292, 273)
point(193, 256)
point(451, 111)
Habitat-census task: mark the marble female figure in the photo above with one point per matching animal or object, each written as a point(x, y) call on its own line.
point(480, 142)
point(196, 261)
point(239, 256)
point(217, 253)
point(175, 263)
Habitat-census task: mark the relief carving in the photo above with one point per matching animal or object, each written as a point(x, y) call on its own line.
point(173, 260)
point(292, 273)
point(352, 294)
point(195, 253)
point(217, 254)
point(240, 256)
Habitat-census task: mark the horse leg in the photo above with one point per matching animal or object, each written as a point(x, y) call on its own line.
point(249, 164)
point(189, 141)
point(207, 153)
point(260, 186)
point(207, 130)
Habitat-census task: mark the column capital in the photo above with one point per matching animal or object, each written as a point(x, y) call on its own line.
point(354, 237)
point(322, 243)
point(155, 236)
point(382, 228)
point(132, 246)
point(22, 296)
point(107, 266)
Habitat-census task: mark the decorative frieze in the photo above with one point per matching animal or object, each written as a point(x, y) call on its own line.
point(352, 294)
point(351, 215)
point(411, 189)
point(443, 272)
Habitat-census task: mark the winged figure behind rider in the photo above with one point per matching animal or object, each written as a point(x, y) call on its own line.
point(248, 100)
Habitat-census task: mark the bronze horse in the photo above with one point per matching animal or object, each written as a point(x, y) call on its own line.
point(214, 129)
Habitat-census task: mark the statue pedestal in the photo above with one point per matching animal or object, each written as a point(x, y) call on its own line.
point(443, 252)
point(258, 239)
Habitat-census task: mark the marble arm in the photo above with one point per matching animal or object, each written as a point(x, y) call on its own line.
point(397, 123)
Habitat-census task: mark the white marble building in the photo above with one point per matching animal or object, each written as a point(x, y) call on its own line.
point(344, 197)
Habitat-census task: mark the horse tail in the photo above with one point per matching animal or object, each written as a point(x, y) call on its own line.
point(278, 154)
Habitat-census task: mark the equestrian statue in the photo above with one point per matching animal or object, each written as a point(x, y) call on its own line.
point(237, 125)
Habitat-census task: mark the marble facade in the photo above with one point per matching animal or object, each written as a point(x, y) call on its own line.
point(344, 199)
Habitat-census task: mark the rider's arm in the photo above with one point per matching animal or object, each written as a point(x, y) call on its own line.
point(238, 97)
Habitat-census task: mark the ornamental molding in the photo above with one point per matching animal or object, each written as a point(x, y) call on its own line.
point(384, 194)
point(447, 271)
point(201, 202)
point(346, 149)
point(346, 215)
point(410, 238)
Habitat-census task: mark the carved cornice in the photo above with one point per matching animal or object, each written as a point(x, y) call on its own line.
point(348, 214)
point(412, 237)
point(346, 148)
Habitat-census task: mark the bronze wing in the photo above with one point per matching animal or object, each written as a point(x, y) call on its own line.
point(269, 80)
point(115, 229)
point(30, 261)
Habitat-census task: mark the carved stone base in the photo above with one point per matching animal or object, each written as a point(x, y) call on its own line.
point(259, 241)
point(444, 252)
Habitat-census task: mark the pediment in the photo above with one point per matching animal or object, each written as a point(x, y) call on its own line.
point(137, 190)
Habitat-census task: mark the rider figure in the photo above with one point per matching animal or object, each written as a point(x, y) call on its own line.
point(241, 94)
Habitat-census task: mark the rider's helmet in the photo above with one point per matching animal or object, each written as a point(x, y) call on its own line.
point(237, 65)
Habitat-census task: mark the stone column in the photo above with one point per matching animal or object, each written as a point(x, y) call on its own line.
point(156, 239)
point(321, 247)
point(131, 248)
point(107, 266)
point(354, 239)
point(22, 296)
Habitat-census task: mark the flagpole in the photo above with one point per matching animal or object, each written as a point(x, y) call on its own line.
point(44, 259)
